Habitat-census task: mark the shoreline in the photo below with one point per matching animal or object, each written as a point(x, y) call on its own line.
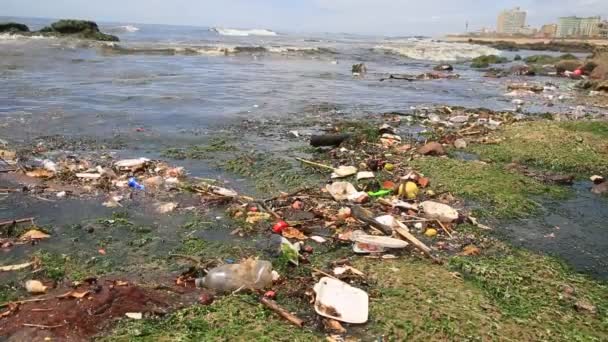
point(537, 44)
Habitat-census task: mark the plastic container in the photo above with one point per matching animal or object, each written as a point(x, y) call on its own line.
point(252, 274)
point(135, 185)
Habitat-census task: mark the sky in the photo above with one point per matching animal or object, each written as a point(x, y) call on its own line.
point(386, 17)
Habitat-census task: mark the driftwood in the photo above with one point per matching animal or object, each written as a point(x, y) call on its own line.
point(5, 223)
point(272, 305)
point(328, 139)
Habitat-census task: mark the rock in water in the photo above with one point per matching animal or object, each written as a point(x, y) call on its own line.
point(13, 27)
point(80, 28)
point(567, 65)
point(444, 67)
point(432, 148)
point(359, 69)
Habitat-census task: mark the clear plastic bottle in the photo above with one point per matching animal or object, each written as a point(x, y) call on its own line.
point(251, 274)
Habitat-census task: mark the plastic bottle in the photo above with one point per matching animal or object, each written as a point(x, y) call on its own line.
point(252, 274)
point(133, 184)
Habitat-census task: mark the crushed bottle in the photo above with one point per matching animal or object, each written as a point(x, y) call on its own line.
point(251, 274)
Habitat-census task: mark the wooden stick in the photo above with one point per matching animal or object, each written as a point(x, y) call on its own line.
point(29, 219)
point(315, 164)
point(361, 214)
point(272, 305)
point(444, 228)
point(43, 326)
point(417, 243)
point(268, 210)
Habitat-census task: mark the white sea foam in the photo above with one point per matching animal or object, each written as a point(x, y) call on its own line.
point(15, 37)
point(243, 33)
point(436, 51)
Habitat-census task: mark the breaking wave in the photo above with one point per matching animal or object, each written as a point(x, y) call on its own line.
point(125, 28)
point(242, 33)
point(14, 37)
point(436, 51)
point(214, 50)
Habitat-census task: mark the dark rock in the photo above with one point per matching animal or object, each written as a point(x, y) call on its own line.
point(13, 27)
point(444, 67)
point(522, 70)
point(328, 140)
point(485, 61)
point(540, 46)
point(517, 58)
point(568, 65)
point(79, 28)
point(360, 68)
point(432, 148)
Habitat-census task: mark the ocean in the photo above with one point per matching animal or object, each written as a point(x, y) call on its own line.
point(172, 78)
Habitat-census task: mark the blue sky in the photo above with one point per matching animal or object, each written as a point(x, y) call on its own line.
point(391, 17)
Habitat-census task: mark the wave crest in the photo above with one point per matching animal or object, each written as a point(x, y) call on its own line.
point(436, 51)
point(242, 33)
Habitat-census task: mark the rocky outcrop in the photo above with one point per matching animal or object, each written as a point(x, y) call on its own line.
point(539, 46)
point(80, 29)
point(13, 28)
point(485, 61)
point(568, 65)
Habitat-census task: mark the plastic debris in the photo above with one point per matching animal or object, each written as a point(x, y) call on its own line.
point(381, 241)
point(342, 191)
point(344, 171)
point(340, 301)
point(135, 185)
point(35, 287)
point(365, 175)
point(251, 274)
point(134, 315)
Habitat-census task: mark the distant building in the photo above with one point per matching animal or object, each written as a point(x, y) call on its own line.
point(578, 27)
point(511, 21)
point(602, 29)
point(548, 31)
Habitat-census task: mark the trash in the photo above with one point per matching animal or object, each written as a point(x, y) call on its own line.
point(409, 190)
point(597, 179)
point(432, 148)
point(131, 164)
point(470, 250)
point(344, 213)
point(365, 175)
point(387, 129)
point(318, 239)
point(438, 211)
point(271, 304)
point(460, 144)
point(381, 241)
point(599, 189)
point(328, 140)
point(342, 191)
point(389, 140)
point(134, 315)
point(365, 248)
point(17, 267)
point(344, 171)
point(35, 287)
point(297, 205)
point(423, 182)
point(40, 173)
point(7, 155)
point(135, 185)
point(270, 294)
point(293, 233)
point(431, 232)
point(389, 167)
point(164, 208)
point(34, 234)
point(61, 194)
point(294, 134)
point(49, 165)
point(333, 326)
point(251, 274)
point(525, 86)
point(340, 301)
point(253, 217)
point(279, 226)
point(175, 172)
point(85, 175)
point(380, 193)
point(113, 202)
point(205, 298)
point(290, 251)
point(343, 269)
point(153, 182)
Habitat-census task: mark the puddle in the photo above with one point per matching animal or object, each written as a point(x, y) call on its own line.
point(573, 230)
